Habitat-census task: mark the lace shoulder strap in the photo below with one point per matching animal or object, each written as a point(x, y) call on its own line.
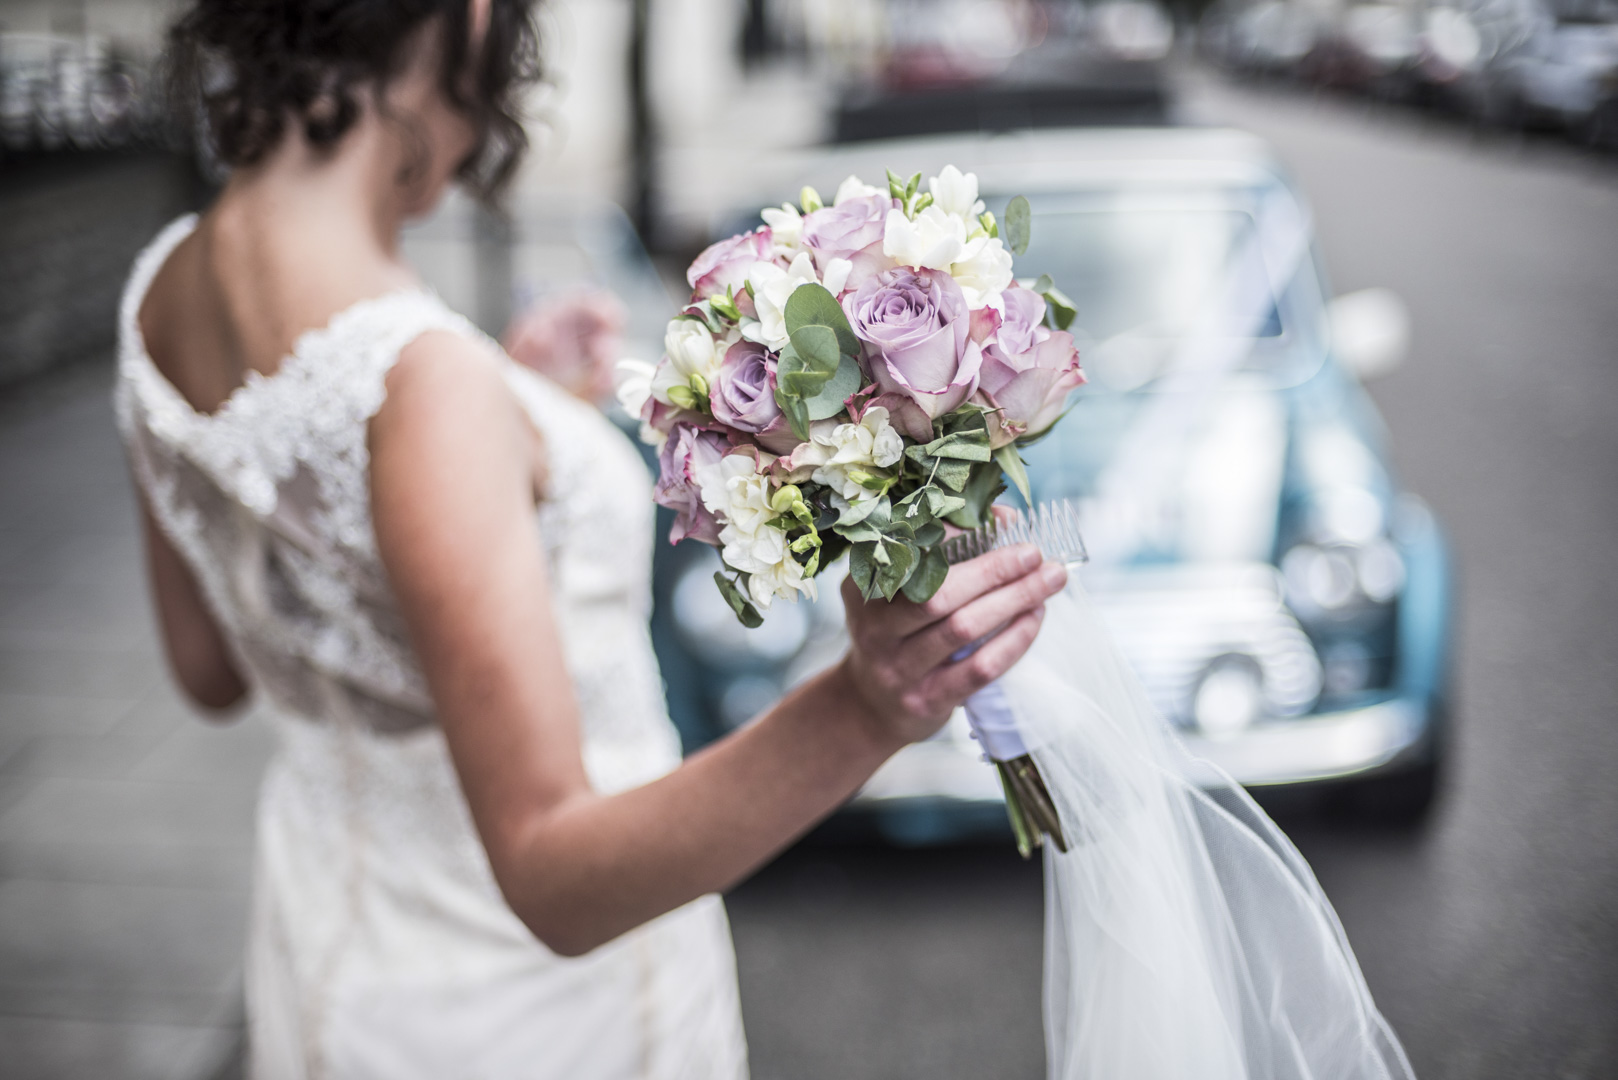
point(313, 413)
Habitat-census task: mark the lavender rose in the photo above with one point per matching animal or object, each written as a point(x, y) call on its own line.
point(915, 325)
point(688, 449)
point(837, 232)
point(743, 397)
point(1028, 370)
point(726, 264)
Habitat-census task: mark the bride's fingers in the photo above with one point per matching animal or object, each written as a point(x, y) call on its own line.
point(934, 644)
point(966, 582)
point(952, 684)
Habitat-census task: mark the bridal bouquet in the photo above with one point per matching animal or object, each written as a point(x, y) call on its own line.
point(850, 377)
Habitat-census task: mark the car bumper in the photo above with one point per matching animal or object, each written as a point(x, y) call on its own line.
point(1321, 746)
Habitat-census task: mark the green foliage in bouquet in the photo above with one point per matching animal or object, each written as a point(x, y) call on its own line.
point(790, 439)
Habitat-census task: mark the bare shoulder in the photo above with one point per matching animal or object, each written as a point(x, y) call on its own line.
point(446, 384)
point(449, 429)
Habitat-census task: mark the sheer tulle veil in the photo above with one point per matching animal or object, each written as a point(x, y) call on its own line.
point(1185, 936)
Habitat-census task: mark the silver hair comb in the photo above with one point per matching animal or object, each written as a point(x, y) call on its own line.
point(1052, 526)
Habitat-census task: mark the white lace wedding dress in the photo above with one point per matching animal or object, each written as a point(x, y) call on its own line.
point(379, 943)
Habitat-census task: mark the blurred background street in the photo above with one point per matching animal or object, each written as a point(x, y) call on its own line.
point(1487, 928)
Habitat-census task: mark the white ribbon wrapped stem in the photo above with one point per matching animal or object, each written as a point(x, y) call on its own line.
point(989, 713)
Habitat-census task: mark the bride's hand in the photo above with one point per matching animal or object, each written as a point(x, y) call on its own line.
point(900, 663)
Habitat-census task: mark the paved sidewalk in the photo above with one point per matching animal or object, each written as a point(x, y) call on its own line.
point(125, 822)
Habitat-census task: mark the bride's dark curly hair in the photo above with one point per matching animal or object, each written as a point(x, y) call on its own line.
point(259, 65)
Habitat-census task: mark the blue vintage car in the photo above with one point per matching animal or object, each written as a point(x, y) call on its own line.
point(1285, 602)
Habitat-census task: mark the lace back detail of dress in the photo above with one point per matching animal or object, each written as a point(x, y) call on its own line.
point(268, 501)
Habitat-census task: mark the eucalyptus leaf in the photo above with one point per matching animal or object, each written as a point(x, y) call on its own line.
point(743, 607)
point(859, 532)
point(862, 567)
point(1011, 464)
point(901, 561)
point(816, 349)
point(985, 485)
point(929, 574)
point(942, 504)
point(795, 410)
point(1019, 219)
point(1063, 310)
point(917, 503)
point(962, 446)
point(856, 513)
point(953, 474)
point(930, 534)
point(830, 399)
point(814, 305)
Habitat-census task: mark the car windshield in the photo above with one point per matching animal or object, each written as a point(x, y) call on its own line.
point(1193, 308)
point(1161, 283)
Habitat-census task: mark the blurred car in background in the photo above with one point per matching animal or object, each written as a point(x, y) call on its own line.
point(1285, 602)
point(1508, 63)
point(987, 65)
point(1270, 37)
point(75, 92)
point(1563, 71)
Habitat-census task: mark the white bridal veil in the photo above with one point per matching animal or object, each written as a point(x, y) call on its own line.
point(1186, 938)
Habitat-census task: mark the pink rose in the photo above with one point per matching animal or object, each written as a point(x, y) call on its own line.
point(688, 448)
point(743, 397)
point(725, 264)
point(837, 232)
point(915, 325)
point(1028, 370)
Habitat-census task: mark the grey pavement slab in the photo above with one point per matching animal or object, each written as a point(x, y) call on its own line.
point(51, 1048)
point(126, 822)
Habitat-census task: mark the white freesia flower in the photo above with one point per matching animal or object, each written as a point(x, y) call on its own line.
point(932, 241)
point(955, 193)
point(738, 493)
point(855, 188)
point(783, 578)
point(632, 384)
point(689, 349)
point(835, 451)
point(766, 559)
point(786, 228)
point(983, 271)
point(771, 288)
point(836, 275)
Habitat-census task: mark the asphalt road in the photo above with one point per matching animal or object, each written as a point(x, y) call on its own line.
point(1490, 936)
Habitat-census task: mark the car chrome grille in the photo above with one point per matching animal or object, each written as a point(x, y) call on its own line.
point(1172, 623)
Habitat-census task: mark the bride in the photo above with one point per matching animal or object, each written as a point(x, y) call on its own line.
point(479, 853)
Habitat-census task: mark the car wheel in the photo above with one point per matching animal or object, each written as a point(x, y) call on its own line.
point(1601, 126)
point(1402, 799)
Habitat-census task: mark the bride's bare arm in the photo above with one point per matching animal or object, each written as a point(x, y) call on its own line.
point(451, 492)
point(196, 650)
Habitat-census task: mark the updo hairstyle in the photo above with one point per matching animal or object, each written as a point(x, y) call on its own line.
point(258, 65)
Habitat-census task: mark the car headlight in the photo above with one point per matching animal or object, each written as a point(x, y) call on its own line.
point(1327, 579)
point(711, 630)
point(1229, 697)
point(1454, 39)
